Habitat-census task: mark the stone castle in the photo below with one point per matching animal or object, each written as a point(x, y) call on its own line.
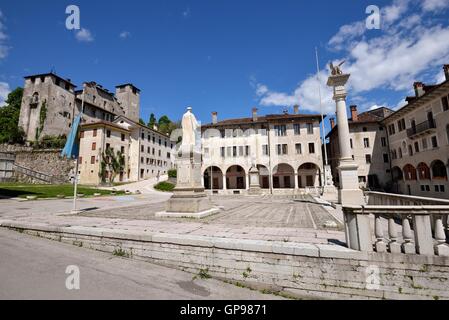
point(50, 103)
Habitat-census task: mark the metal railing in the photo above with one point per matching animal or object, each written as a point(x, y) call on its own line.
point(422, 127)
point(34, 174)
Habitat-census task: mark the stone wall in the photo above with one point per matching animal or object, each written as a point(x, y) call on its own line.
point(299, 270)
point(44, 161)
point(12, 148)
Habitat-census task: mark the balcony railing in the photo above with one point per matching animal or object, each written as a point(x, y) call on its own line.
point(421, 128)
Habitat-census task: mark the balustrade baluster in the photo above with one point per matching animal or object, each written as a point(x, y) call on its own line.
point(393, 245)
point(441, 248)
point(381, 246)
point(407, 247)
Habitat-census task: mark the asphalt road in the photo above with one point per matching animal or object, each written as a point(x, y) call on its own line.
point(35, 268)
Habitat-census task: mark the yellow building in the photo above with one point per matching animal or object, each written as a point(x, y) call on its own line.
point(147, 152)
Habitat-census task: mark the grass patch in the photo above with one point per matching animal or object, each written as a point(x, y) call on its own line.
point(164, 186)
point(17, 190)
point(204, 274)
point(121, 253)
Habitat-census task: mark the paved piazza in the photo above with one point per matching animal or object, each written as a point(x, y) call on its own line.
point(242, 217)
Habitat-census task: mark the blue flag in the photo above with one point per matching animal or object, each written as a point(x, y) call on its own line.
point(72, 148)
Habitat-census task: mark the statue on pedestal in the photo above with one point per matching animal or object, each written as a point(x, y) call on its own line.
point(190, 128)
point(349, 192)
point(189, 199)
point(336, 70)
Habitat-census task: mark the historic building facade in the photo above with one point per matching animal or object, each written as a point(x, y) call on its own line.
point(50, 103)
point(369, 144)
point(147, 152)
point(110, 120)
point(285, 148)
point(419, 141)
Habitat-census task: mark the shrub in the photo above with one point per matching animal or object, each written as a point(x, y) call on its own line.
point(172, 173)
point(164, 186)
point(50, 142)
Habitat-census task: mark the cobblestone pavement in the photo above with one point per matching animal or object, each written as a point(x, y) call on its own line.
point(258, 218)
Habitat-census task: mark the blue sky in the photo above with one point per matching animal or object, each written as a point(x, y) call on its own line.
point(228, 56)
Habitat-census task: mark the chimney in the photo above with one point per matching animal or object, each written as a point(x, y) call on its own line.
point(332, 120)
point(354, 114)
point(254, 114)
point(295, 109)
point(214, 117)
point(419, 89)
point(446, 71)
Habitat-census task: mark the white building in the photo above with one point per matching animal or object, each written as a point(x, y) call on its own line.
point(285, 148)
point(369, 145)
point(419, 141)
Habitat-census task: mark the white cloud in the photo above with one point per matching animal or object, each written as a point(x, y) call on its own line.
point(347, 33)
point(84, 35)
point(410, 49)
point(440, 77)
point(4, 91)
point(434, 5)
point(306, 95)
point(124, 35)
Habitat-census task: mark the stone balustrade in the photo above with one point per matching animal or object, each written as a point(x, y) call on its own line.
point(386, 199)
point(418, 229)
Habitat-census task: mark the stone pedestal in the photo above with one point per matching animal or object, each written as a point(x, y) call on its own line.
point(254, 182)
point(189, 199)
point(330, 193)
point(349, 193)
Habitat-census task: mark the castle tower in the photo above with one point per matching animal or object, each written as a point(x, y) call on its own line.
point(129, 97)
point(48, 106)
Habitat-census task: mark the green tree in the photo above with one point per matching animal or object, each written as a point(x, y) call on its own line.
point(166, 126)
point(9, 118)
point(142, 122)
point(111, 165)
point(152, 120)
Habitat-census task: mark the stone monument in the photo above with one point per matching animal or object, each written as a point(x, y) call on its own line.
point(189, 199)
point(330, 193)
point(254, 181)
point(349, 192)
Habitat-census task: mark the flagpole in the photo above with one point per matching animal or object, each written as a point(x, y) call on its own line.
point(75, 189)
point(326, 161)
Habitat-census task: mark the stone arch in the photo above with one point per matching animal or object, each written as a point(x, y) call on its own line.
point(423, 171)
point(397, 174)
point(264, 176)
point(236, 178)
point(283, 176)
point(409, 172)
point(308, 175)
point(439, 171)
point(213, 178)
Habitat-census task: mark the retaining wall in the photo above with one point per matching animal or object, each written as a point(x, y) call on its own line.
point(300, 270)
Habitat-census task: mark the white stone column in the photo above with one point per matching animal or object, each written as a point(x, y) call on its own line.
point(246, 181)
point(224, 182)
point(296, 180)
point(349, 193)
